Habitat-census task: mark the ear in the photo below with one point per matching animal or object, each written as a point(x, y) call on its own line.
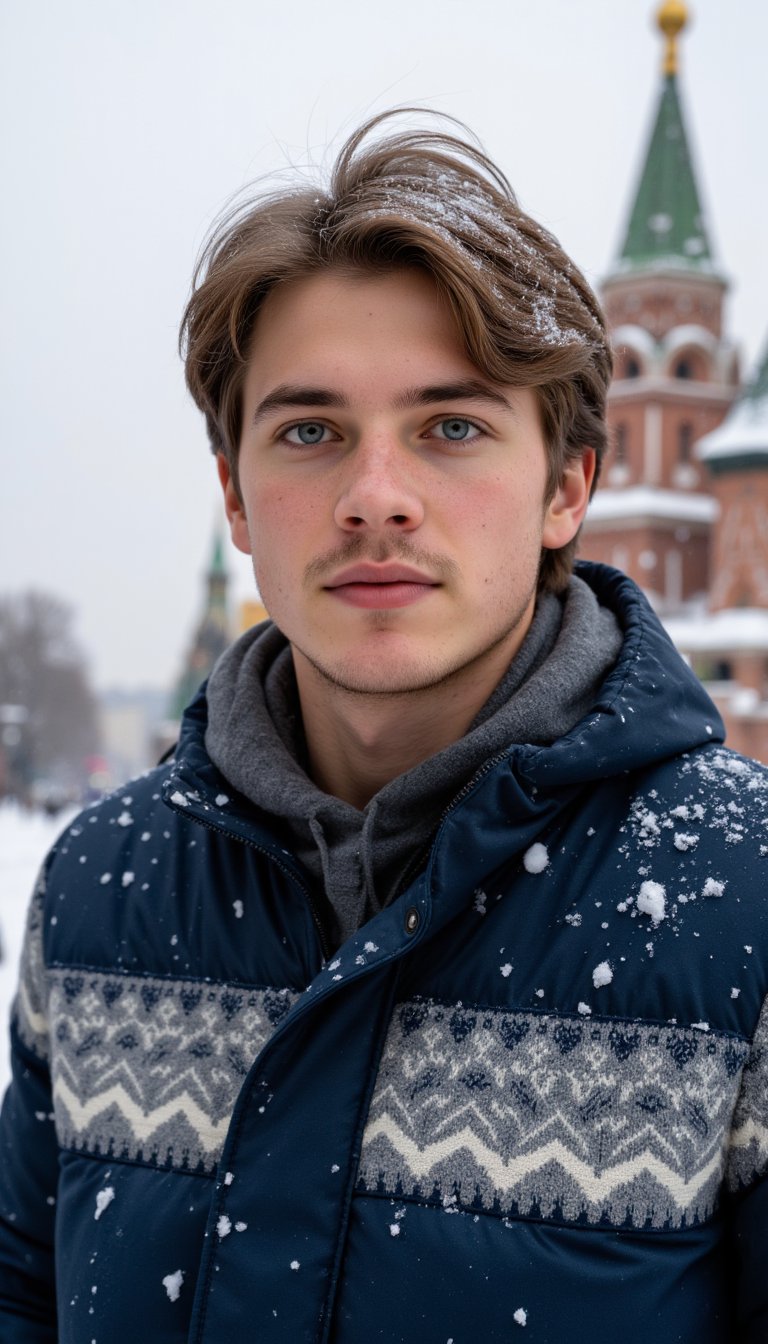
point(233, 507)
point(565, 512)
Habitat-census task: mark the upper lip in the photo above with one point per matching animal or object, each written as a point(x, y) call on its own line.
point(372, 573)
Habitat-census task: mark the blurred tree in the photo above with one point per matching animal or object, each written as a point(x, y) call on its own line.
point(48, 713)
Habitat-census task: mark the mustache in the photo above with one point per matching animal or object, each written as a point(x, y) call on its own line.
point(360, 548)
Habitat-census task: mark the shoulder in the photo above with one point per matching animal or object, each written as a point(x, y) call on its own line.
point(114, 822)
point(698, 823)
point(121, 874)
point(707, 798)
point(692, 857)
point(107, 845)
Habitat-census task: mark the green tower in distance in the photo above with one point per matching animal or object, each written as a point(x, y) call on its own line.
point(212, 634)
point(666, 223)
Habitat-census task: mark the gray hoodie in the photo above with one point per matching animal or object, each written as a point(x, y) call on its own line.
point(361, 859)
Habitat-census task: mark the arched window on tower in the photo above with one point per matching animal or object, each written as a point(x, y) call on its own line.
point(618, 471)
point(631, 367)
point(684, 441)
point(683, 369)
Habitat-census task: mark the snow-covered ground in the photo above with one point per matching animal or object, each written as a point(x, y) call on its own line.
point(24, 840)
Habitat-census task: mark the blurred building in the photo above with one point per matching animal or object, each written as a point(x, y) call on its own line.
point(128, 721)
point(221, 620)
point(250, 612)
point(212, 634)
point(727, 640)
point(683, 504)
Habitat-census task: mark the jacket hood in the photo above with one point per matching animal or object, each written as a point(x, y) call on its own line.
point(651, 705)
point(651, 708)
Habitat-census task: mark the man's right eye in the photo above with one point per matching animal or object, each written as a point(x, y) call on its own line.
point(307, 433)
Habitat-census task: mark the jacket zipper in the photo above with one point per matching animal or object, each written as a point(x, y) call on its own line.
point(415, 865)
point(251, 844)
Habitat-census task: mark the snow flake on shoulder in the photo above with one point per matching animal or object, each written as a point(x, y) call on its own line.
point(602, 975)
point(652, 900)
point(172, 1284)
point(536, 859)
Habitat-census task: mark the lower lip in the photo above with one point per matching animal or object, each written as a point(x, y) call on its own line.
point(380, 596)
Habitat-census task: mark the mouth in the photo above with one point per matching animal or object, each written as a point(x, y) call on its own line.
point(378, 587)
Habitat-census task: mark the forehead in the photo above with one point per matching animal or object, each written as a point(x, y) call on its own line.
point(338, 322)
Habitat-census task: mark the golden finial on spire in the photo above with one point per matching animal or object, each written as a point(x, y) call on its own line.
point(671, 18)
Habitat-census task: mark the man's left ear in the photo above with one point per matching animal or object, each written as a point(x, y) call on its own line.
point(565, 511)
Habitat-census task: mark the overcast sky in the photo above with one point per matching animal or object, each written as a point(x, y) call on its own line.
point(127, 127)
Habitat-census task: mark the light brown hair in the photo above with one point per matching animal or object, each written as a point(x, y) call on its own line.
point(429, 199)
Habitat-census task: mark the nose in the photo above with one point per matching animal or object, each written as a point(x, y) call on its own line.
point(379, 490)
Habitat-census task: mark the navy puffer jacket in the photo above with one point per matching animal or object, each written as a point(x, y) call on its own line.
point(531, 1094)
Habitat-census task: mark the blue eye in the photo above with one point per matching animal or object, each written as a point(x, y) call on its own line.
point(456, 429)
point(308, 433)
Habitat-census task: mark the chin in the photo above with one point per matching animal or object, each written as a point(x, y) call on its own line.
point(385, 676)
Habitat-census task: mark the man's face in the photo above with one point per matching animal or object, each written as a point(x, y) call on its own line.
point(392, 498)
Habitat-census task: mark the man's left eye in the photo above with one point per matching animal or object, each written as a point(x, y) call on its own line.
point(455, 429)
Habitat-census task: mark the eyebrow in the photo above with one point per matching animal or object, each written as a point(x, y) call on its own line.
point(287, 395)
point(466, 389)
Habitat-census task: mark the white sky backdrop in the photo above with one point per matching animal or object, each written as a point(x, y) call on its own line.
point(126, 128)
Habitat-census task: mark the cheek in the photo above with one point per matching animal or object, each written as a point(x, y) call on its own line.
point(505, 516)
point(281, 524)
point(276, 505)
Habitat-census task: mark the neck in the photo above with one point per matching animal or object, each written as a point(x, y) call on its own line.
point(358, 742)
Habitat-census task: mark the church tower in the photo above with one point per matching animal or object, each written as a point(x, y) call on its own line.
point(676, 373)
point(212, 634)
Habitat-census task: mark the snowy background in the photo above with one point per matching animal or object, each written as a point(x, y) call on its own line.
point(24, 840)
point(129, 127)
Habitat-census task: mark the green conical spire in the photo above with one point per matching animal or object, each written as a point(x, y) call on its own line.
point(213, 630)
point(218, 567)
point(666, 225)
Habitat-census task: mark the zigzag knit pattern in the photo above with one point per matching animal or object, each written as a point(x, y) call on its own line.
point(623, 1124)
point(148, 1069)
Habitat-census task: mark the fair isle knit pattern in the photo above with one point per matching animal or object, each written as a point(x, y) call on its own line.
point(617, 1123)
point(29, 1006)
point(148, 1069)
point(748, 1156)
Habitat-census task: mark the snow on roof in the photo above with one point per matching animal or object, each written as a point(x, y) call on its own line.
point(744, 430)
point(636, 337)
point(739, 629)
point(673, 263)
point(644, 501)
point(691, 334)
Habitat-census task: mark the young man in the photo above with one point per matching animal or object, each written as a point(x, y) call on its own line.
point(421, 997)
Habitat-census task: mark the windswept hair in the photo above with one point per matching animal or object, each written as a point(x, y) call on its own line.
point(422, 198)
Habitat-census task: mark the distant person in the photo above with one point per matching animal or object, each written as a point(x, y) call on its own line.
point(421, 997)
